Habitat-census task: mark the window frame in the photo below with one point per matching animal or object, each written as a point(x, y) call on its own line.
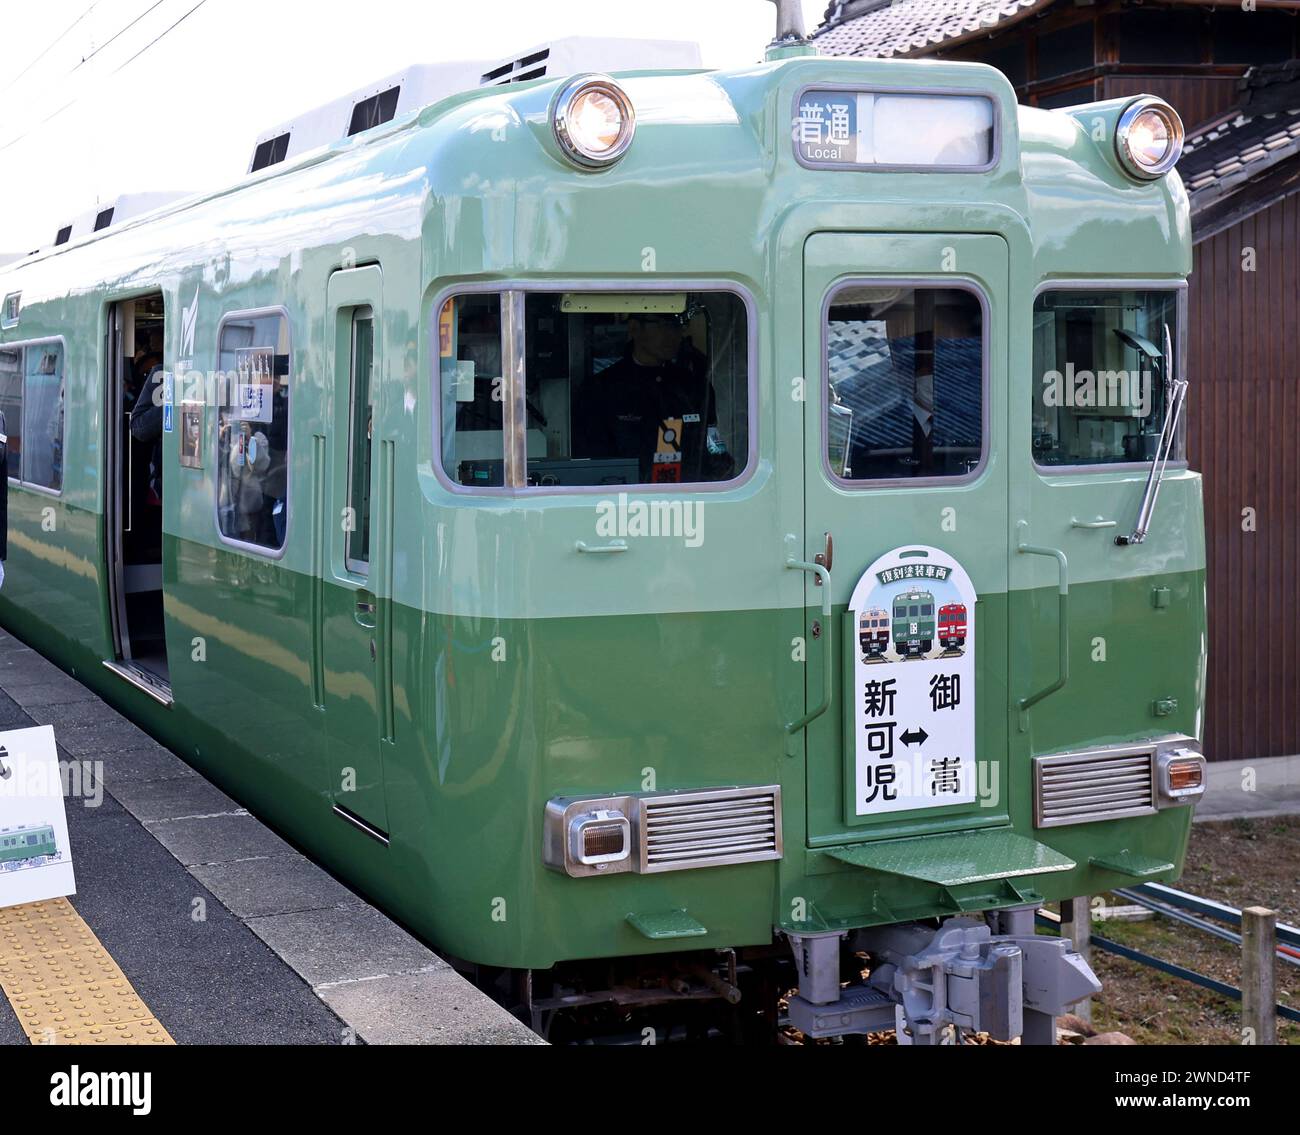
point(357, 567)
point(995, 151)
point(512, 423)
point(1112, 284)
point(22, 345)
point(933, 283)
point(230, 542)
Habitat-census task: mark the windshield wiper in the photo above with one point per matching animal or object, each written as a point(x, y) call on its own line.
point(1175, 395)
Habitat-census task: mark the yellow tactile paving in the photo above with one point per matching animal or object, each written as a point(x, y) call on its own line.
point(63, 985)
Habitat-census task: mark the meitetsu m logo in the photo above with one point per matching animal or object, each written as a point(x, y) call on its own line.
point(189, 321)
point(76, 1088)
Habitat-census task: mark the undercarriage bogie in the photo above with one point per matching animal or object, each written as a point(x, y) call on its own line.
point(991, 975)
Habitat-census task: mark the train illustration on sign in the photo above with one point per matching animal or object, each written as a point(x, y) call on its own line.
point(873, 632)
point(913, 623)
point(27, 845)
point(952, 626)
point(583, 763)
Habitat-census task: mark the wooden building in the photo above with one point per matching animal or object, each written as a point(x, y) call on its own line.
point(1233, 75)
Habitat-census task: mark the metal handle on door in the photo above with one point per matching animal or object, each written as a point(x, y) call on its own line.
point(828, 677)
point(602, 549)
point(1063, 630)
point(366, 611)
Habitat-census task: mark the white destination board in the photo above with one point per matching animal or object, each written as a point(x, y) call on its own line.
point(913, 683)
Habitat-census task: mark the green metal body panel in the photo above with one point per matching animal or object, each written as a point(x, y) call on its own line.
point(509, 669)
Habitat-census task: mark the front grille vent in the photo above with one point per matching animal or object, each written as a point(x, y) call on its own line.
point(709, 828)
point(1101, 784)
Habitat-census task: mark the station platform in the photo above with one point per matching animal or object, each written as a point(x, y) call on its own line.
point(1242, 790)
point(194, 923)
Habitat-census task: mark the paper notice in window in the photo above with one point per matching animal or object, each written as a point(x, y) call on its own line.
point(254, 384)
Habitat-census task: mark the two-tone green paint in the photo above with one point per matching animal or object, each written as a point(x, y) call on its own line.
point(510, 669)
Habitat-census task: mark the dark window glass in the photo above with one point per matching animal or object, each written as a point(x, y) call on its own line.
point(253, 430)
point(1099, 375)
point(1159, 36)
point(906, 372)
point(43, 416)
point(1252, 37)
point(11, 405)
point(65, 234)
point(622, 389)
point(637, 389)
point(360, 431)
point(271, 152)
point(32, 401)
point(374, 111)
point(469, 375)
point(1073, 96)
point(103, 220)
point(32, 840)
point(1065, 50)
point(1009, 58)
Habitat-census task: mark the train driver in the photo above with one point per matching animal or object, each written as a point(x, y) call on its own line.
point(654, 406)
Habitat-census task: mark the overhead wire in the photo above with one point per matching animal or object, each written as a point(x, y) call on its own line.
point(50, 47)
point(77, 98)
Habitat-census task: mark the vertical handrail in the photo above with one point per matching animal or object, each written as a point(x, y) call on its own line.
point(1063, 631)
point(828, 677)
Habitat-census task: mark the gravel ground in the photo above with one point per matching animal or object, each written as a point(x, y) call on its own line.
point(1242, 863)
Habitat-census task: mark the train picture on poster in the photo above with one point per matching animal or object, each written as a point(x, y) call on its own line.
point(914, 623)
point(27, 845)
point(952, 626)
point(873, 632)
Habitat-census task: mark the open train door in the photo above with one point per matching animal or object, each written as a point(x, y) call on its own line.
point(905, 419)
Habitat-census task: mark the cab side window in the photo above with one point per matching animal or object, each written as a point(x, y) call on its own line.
point(905, 383)
point(253, 430)
point(621, 389)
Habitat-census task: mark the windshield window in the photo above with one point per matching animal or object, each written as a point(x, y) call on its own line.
point(1099, 375)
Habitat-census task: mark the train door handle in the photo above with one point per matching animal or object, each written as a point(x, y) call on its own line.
point(1063, 628)
point(822, 572)
point(826, 558)
point(366, 610)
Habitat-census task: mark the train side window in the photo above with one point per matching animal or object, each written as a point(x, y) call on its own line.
point(360, 432)
point(905, 372)
point(472, 393)
point(1099, 374)
point(11, 405)
point(32, 401)
point(253, 430)
point(43, 416)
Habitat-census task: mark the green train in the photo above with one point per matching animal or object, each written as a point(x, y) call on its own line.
point(495, 546)
point(913, 622)
point(27, 845)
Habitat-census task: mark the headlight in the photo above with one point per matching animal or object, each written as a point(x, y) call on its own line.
point(594, 121)
point(1149, 138)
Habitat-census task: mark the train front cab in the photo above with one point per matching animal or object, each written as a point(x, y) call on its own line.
point(1084, 653)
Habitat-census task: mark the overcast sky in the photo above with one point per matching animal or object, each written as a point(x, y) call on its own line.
point(96, 104)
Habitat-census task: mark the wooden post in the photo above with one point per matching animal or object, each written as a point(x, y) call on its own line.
point(1258, 992)
point(1076, 924)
